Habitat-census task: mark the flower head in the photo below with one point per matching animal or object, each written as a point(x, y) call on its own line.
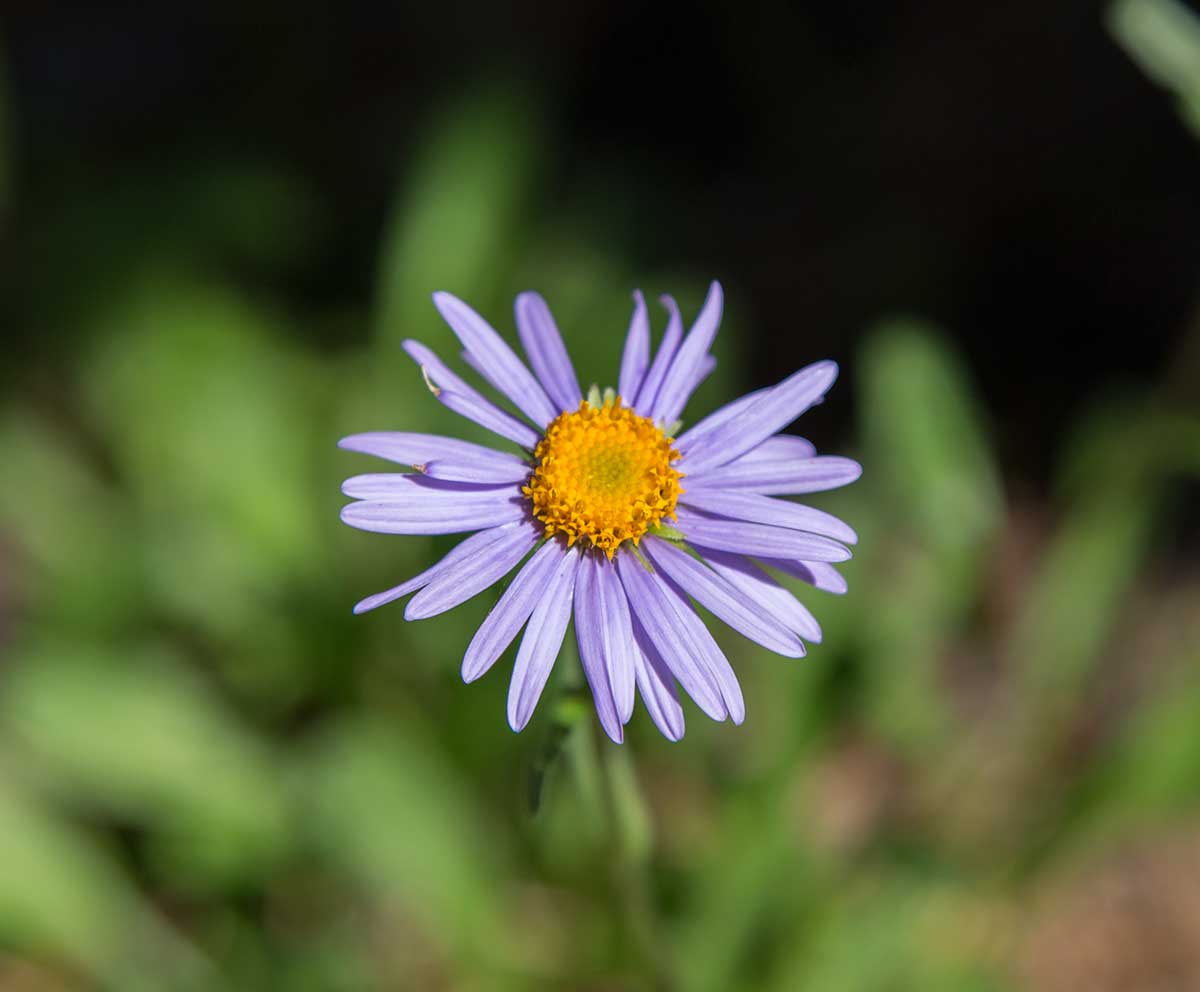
point(611, 519)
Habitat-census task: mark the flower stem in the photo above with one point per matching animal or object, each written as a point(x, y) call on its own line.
point(630, 846)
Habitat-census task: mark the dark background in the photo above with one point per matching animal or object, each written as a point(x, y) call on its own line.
point(1004, 169)
point(218, 223)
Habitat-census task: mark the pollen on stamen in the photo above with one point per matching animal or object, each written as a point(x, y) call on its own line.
point(603, 475)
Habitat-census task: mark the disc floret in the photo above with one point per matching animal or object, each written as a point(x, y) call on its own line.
point(603, 475)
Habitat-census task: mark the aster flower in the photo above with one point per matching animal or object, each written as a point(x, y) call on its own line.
point(611, 518)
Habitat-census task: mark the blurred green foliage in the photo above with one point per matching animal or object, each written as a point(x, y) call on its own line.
point(213, 776)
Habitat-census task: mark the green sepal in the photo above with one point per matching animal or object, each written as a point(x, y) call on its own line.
point(637, 553)
point(666, 533)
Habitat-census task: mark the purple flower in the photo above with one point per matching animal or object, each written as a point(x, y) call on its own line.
point(615, 521)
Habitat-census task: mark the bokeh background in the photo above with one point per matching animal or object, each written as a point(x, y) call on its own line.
point(217, 227)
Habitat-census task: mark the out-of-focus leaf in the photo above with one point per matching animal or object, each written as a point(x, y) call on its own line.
point(134, 734)
point(1074, 601)
point(755, 870)
point(937, 505)
point(70, 530)
point(888, 931)
point(209, 418)
point(63, 896)
point(1123, 458)
point(394, 813)
point(1163, 37)
point(923, 428)
point(456, 217)
point(1152, 766)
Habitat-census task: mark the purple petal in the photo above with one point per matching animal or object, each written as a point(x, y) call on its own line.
point(636, 355)
point(542, 640)
point(684, 373)
point(417, 449)
point(757, 539)
point(722, 599)
point(489, 471)
point(774, 411)
point(617, 636)
point(428, 511)
point(785, 476)
point(546, 351)
point(648, 392)
point(682, 640)
point(434, 368)
point(770, 596)
point(821, 575)
point(657, 686)
point(466, 401)
point(708, 365)
point(500, 626)
point(594, 633)
point(754, 508)
point(487, 414)
point(504, 369)
point(463, 549)
point(481, 369)
point(475, 572)
point(779, 447)
point(690, 438)
point(412, 486)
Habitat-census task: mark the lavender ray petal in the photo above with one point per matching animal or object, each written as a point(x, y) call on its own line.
point(417, 449)
point(662, 359)
point(482, 471)
point(456, 394)
point(708, 365)
point(710, 654)
point(487, 414)
point(722, 599)
point(501, 624)
point(546, 352)
point(766, 592)
point(683, 375)
point(463, 549)
point(754, 508)
point(590, 634)
point(616, 635)
point(779, 447)
point(786, 476)
point(472, 574)
point(410, 486)
point(695, 434)
point(774, 411)
point(426, 517)
point(818, 574)
point(636, 355)
point(672, 627)
point(434, 368)
point(478, 367)
point(540, 645)
point(757, 539)
point(482, 370)
point(657, 686)
point(505, 370)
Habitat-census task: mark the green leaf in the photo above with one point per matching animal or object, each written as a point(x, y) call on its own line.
point(133, 734)
point(1163, 37)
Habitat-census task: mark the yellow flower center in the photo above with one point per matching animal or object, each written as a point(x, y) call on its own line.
point(604, 475)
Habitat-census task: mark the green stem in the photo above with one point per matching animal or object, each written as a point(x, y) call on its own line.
point(630, 844)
